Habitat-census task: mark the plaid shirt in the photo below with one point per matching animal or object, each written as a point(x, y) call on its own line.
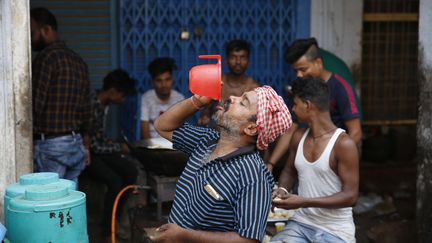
point(100, 143)
point(61, 90)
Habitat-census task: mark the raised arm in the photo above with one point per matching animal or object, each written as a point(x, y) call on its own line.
point(354, 130)
point(176, 115)
point(288, 175)
point(283, 145)
point(145, 129)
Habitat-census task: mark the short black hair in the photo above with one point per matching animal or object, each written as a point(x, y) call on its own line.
point(43, 17)
point(302, 47)
point(313, 89)
point(237, 45)
point(120, 80)
point(161, 65)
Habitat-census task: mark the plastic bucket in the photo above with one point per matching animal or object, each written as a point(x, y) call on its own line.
point(42, 178)
point(206, 79)
point(48, 213)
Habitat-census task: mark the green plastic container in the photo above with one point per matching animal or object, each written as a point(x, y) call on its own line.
point(47, 213)
point(42, 178)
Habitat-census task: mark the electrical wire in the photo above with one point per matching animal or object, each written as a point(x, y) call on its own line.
point(114, 209)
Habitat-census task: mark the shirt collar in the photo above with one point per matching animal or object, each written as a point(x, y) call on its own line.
point(241, 151)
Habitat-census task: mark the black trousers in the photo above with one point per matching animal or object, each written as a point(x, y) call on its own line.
point(162, 161)
point(116, 172)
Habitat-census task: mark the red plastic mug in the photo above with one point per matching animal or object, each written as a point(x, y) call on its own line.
point(206, 79)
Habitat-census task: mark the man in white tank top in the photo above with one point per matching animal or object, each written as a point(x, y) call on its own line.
point(324, 161)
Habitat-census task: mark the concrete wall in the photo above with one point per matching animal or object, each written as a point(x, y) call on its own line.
point(15, 94)
point(337, 25)
point(424, 125)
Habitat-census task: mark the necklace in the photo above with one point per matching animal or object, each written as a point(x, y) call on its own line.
point(327, 132)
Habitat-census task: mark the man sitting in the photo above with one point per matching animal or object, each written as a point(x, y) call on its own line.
point(324, 160)
point(108, 163)
point(155, 101)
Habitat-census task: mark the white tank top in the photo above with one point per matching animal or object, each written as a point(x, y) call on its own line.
point(317, 179)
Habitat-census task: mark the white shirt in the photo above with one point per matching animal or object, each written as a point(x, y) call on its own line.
point(152, 107)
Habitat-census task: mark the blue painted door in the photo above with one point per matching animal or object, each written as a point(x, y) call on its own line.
point(153, 28)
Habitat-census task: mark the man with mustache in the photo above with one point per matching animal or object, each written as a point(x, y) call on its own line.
point(224, 192)
point(61, 100)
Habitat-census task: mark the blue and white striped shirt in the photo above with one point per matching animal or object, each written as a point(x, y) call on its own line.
point(241, 180)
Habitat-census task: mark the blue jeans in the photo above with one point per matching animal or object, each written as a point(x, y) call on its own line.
point(65, 155)
point(295, 232)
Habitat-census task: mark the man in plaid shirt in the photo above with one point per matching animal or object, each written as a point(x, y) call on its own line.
point(61, 100)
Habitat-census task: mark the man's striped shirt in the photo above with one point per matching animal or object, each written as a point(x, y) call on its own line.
point(240, 179)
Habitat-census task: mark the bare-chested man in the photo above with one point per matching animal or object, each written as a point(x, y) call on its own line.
point(235, 82)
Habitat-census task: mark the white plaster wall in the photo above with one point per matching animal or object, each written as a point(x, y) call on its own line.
point(337, 25)
point(425, 30)
point(21, 57)
point(424, 125)
point(7, 148)
point(15, 94)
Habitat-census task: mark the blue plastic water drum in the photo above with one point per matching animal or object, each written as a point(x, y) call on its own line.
point(18, 189)
point(48, 213)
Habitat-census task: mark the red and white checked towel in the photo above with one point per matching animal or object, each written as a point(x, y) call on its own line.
point(273, 116)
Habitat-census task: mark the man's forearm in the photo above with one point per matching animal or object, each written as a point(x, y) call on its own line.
point(145, 130)
point(356, 136)
point(354, 129)
point(338, 200)
point(175, 116)
point(197, 236)
point(282, 145)
point(286, 180)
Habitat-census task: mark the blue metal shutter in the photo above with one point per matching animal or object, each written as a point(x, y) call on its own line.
point(86, 28)
point(151, 28)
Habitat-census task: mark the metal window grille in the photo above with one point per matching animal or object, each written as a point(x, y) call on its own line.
point(389, 61)
point(86, 28)
point(151, 28)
